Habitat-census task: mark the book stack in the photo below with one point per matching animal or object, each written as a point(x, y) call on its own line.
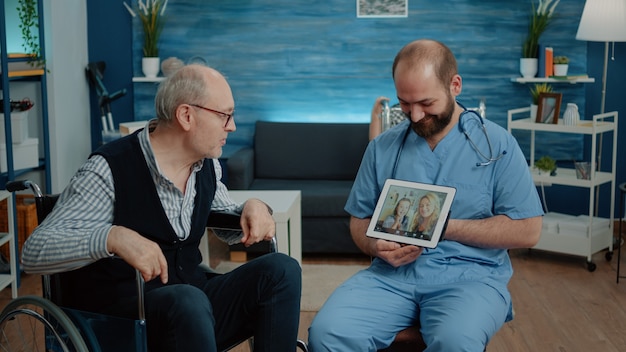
point(549, 57)
point(545, 61)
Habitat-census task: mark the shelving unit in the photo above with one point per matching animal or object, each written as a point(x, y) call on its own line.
point(34, 75)
point(8, 238)
point(7, 76)
point(597, 238)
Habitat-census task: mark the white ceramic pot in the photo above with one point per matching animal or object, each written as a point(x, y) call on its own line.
point(150, 66)
point(571, 117)
point(533, 112)
point(560, 69)
point(528, 67)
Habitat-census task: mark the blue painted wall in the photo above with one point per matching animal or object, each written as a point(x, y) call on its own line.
point(306, 61)
point(110, 40)
point(299, 61)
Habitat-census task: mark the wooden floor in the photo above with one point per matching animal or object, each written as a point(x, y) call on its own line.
point(560, 305)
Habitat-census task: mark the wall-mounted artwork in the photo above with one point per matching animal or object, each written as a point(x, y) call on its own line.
point(382, 8)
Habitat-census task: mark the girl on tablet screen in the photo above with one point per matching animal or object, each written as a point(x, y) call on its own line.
point(427, 216)
point(398, 221)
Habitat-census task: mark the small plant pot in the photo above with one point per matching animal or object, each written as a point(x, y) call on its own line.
point(560, 69)
point(546, 172)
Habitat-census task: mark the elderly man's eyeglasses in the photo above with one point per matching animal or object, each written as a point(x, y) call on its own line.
point(223, 115)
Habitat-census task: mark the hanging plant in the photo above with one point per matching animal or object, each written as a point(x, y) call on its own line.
point(29, 26)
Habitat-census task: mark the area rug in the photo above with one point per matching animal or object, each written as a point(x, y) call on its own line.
point(318, 281)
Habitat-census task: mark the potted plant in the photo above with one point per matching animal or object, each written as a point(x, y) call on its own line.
point(151, 13)
point(560, 63)
point(546, 164)
point(535, 91)
point(29, 25)
point(540, 18)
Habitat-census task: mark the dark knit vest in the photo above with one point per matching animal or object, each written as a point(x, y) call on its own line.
point(138, 207)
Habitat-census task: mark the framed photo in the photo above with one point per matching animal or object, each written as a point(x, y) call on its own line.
point(382, 8)
point(548, 108)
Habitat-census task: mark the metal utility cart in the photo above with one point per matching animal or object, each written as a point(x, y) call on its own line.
point(597, 233)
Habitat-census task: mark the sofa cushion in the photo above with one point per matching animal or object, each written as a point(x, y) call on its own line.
point(320, 198)
point(314, 151)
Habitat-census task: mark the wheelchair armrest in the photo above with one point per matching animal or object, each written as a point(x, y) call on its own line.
point(140, 295)
point(273, 245)
point(224, 220)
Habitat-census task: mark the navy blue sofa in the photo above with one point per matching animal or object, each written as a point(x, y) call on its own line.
point(319, 159)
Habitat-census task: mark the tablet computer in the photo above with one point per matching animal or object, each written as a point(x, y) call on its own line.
point(411, 213)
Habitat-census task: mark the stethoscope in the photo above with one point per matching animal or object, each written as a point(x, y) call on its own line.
point(488, 160)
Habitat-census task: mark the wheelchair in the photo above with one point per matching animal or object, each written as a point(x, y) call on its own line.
point(33, 323)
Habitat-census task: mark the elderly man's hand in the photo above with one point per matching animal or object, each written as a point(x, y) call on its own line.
point(257, 222)
point(139, 252)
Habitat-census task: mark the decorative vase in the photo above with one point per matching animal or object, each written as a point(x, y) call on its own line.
point(150, 66)
point(169, 65)
point(571, 117)
point(533, 112)
point(560, 69)
point(528, 67)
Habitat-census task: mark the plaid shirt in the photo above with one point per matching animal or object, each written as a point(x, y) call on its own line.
point(75, 233)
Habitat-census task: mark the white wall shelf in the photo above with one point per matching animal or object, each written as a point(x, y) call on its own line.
point(596, 238)
point(566, 79)
point(148, 79)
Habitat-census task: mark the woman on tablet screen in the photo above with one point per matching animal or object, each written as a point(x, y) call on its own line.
point(427, 216)
point(398, 221)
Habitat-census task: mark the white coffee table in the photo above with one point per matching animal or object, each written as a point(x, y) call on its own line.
point(287, 214)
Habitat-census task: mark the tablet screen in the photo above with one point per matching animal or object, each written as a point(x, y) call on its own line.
point(412, 213)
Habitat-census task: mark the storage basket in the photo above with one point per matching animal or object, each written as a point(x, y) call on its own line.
point(26, 220)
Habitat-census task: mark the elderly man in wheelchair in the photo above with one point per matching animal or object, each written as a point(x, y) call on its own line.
point(140, 204)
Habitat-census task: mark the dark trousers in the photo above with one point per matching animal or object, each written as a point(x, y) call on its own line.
point(260, 298)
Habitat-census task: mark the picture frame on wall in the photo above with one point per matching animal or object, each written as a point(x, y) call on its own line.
point(548, 108)
point(382, 8)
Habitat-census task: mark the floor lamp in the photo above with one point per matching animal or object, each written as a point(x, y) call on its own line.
point(603, 21)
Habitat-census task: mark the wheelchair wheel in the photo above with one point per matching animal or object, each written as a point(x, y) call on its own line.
point(32, 323)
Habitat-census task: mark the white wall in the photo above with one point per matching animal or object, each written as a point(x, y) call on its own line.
point(68, 89)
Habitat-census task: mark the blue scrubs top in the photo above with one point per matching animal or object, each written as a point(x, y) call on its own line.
point(504, 187)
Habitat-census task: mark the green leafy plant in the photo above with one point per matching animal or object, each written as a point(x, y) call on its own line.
point(151, 13)
point(539, 88)
point(546, 163)
point(561, 60)
point(29, 26)
point(540, 18)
